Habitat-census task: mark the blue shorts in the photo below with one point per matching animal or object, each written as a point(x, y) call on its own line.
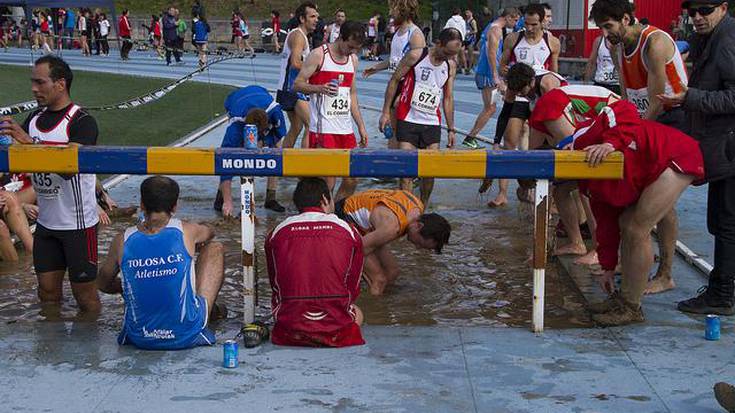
point(484, 81)
point(269, 141)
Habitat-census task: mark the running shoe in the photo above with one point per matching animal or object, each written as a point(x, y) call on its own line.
point(254, 334)
point(622, 314)
point(471, 142)
point(612, 301)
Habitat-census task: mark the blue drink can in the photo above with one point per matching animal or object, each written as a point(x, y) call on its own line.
point(712, 327)
point(230, 350)
point(5, 140)
point(388, 132)
point(251, 136)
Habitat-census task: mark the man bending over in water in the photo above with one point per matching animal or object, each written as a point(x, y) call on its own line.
point(382, 216)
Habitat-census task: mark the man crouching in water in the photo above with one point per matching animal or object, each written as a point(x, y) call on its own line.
point(383, 216)
point(168, 298)
point(314, 263)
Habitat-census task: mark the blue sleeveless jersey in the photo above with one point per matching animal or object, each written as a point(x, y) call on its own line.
point(483, 65)
point(162, 311)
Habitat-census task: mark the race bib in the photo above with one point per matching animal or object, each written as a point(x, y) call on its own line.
point(426, 99)
point(337, 106)
point(47, 186)
point(639, 97)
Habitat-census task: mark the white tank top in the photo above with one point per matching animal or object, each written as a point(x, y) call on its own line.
point(333, 33)
point(606, 73)
point(538, 55)
point(423, 92)
point(400, 45)
point(63, 204)
point(288, 74)
point(331, 114)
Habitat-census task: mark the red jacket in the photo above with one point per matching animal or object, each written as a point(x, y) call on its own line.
point(123, 27)
point(649, 148)
point(314, 264)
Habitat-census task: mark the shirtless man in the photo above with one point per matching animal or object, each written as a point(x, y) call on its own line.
point(383, 216)
point(295, 50)
point(650, 65)
point(538, 49)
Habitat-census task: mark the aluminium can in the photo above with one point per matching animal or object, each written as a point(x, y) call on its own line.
point(712, 327)
point(251, 136)
point(230, 350)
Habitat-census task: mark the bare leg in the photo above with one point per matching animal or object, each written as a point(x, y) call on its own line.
point(7, 249)
point(295, 126)
point(302, 111)
point(512, 138)
point(346, 189)
point(380, 270)
point(636, 223)
point(591, 257)
point(50, 286)
point(406, 183)
point(487, 112)
point(17, 221)
point(569, 216)
point(667, 234)
point(357, 313)
point(87, 297)
point(210, 272)
point(427, 184)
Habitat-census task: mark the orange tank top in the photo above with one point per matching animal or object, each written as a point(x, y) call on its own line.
point(359, 206)
point(635, 71)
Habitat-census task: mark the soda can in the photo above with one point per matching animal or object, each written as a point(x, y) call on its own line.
point(388, 132)
point(712, 327)
point(251, 136)
point(230, 350)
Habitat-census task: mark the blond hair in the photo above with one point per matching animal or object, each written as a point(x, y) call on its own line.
point(404, 10)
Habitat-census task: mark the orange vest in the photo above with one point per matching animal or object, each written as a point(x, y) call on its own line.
point(634, 71)
point(359, 206)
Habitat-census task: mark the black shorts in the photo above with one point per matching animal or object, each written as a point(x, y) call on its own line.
point(370, 41)
point(288, 99)
point(613, 88)
point(420, 136)
point(75, 250)
point(520, 110)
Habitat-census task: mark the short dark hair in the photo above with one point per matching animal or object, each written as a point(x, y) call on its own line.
point(448, 34)
point(519, 76)
point(611, 10)
point(536, 9)
point(456, 10)
point(276, 13)
point(339, 10)
point(352, 30)
point(309, 193)
point(58, 69)
point(301, 10)
point(159, 194)
point(435, 227)
point(546, 6)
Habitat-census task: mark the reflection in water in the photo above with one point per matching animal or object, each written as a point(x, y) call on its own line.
point(481, 279)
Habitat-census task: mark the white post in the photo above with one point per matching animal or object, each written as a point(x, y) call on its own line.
point(247, 226)
point(541, 223)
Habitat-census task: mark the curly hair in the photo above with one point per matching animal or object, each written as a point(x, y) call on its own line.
point(404, 10)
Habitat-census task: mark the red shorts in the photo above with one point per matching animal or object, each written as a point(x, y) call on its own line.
point(332, 141)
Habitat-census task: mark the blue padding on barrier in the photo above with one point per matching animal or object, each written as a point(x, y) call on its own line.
point(520, 164)
point(247, 162)
point(113, 160)
point(4, 163)
point(383, 163)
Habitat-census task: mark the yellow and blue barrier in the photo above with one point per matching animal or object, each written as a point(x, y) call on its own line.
point(543, 164)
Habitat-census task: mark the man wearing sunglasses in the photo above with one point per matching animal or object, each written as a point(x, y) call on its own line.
point(709, 103)
point(649, 64)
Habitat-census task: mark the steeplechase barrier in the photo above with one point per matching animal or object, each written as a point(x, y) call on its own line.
point(360, 163)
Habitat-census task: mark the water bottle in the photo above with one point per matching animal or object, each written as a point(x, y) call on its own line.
point(388, 132)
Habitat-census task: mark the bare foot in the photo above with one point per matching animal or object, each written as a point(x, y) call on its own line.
point(659, 284)
point(571, 249)
point(499, 201)
point(589, 258)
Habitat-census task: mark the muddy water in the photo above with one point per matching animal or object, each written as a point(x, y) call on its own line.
point(482, 278)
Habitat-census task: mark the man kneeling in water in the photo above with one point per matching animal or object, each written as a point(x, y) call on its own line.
point(314, 264)
point(168, 298)
point(383, 216)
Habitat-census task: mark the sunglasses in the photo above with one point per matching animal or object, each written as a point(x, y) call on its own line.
point(703, 11)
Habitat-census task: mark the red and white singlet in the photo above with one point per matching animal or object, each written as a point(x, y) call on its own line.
point(538, 55)
point(331, 114)
point(422, 92)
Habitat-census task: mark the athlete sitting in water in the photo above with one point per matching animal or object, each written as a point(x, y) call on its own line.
point(314, 264)
point(168, 298)
point(660, 163)
point(382, 216)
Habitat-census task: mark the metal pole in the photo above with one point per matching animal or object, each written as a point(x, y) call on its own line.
point(541, 224)
point(247, 225)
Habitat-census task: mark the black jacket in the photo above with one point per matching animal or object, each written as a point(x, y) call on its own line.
point(710, 101)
